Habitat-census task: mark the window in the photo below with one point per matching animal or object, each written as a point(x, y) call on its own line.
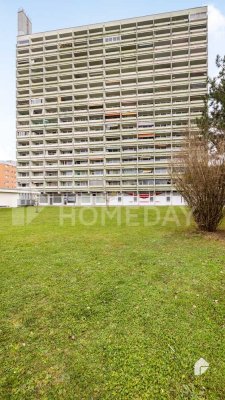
point(36, 101)
point(22, 133)
point(37, 111)
point(23, 61)
point(23, 42)
point(146, 182)
point(198, 85)
point(193, 17)
point(111, 39)
point(52, 37)
point(146, 124)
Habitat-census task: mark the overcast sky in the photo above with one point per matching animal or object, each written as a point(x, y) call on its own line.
point(54, 14)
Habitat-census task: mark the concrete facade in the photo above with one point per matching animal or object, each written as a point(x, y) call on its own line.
point(102, 109)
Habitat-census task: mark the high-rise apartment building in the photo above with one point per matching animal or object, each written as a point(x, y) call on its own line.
point(7, 175)
point(102, 109)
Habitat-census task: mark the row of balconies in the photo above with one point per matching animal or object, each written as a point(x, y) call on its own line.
point(61, 75)
point(97, 158)
point(151, 180)
point(116, 85)
point(156, 147)
point(133, 43)
point(113, 131)
point(90, 120)
point(111, 124)
point(165, 129)
point(117, 116)
point(133, 56)
point(23, 90)
point(117, 63)
point(99, 136)
point(114, 110)
point(152, 172)
point(144, 137)
point(112, 93)
point(114, 62)
point(116, 129)
point(78, 33)
point(119, 36)
point(83, 121)
point(91, 148)
point(111, 128)
point(98, 54)
point(86, 118)
point(142, 54)
point(171, 28)
point(104, 152)
point(109, 138)
point(49, 164)
point(82, 129)
point(120, 27)
point(118, 90)
point(148, 94)
point(114, 140)
point(96, 109)
point(116, 93)
point(117, 82)
point(158, 114)
point(155, 79)
point(119, 48)
point(140, 78)
point(116, 126)
point(24, 86)
point(131, 183)
point(59, 140)
point(124, 46)
point(163, 162)
point(101, 159)
point(113, 182)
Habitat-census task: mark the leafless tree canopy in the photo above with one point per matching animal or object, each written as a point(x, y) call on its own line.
point(198, 174)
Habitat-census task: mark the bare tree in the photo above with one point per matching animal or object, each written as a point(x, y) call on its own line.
point(198, 173)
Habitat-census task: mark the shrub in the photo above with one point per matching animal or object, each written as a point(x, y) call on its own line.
point(199, 175)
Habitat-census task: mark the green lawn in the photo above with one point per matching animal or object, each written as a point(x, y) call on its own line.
point(109, 310)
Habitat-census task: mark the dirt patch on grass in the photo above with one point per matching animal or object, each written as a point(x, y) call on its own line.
point(218, 235)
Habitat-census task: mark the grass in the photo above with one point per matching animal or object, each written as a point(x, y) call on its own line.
point(109, 310)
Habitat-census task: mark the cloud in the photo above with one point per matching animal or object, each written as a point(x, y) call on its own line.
point(216, 36)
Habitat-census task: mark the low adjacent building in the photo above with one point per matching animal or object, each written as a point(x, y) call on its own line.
point(10, 198)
